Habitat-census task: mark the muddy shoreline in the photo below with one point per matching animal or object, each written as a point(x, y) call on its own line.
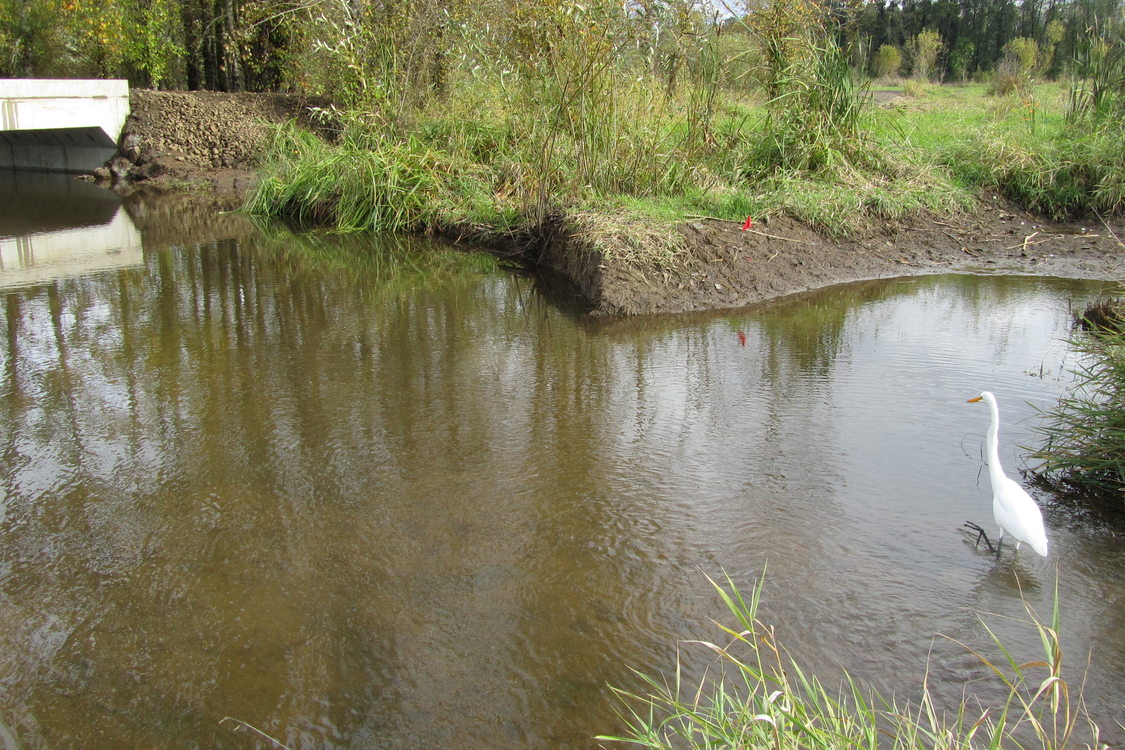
point(202, 145)
point(726, 267)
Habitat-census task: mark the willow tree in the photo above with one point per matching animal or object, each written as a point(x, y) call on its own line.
point(923, 49)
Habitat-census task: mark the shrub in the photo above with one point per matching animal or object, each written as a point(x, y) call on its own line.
point(961, 59)
point(888, 61)
point(1022, 54)
point(1006, 80)
point(913, 88)
point(923, 50)
point(1013, 73)
point(1054, 34)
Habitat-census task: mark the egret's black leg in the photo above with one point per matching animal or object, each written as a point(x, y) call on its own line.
point(982, 535)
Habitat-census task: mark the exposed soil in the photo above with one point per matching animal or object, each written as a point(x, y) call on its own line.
point(203, 140)
point(727, 267)
point(208, 142)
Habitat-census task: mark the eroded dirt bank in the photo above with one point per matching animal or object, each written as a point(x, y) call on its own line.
point(728, 267)
point(206, 143)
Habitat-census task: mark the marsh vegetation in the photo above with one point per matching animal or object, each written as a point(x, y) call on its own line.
point(1082, 453)
point(599, 110)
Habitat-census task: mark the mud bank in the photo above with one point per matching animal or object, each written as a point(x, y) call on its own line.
point(206, 144)
point(727, 267)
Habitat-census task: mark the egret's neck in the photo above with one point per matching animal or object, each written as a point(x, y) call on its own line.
point(994, 469)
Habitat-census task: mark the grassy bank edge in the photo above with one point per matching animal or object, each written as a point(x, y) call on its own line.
point(417, 183)
point(414, 185)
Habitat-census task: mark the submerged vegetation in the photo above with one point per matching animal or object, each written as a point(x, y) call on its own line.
point(756, 695)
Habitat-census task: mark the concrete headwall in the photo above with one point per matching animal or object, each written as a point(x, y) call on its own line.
point(65, 125)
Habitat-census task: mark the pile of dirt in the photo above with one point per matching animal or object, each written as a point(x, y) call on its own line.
point(202, 138)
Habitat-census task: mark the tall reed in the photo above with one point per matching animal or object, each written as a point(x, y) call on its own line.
point(816, 117)
point(1083, 450)
point(756, 695)
point(1098, 91)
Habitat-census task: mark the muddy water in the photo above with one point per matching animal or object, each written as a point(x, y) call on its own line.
point(365, 493)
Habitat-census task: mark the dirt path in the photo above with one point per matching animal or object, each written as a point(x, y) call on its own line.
point(207, 142)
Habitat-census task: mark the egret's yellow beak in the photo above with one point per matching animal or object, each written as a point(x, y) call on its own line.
point(973, 400)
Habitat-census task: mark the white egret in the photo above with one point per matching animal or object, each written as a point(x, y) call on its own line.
point(1014, 510)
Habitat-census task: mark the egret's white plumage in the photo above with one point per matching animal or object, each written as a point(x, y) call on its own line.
point(1014, 510)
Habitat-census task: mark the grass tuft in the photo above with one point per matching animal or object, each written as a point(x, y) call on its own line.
point(1066, 177)
point(1083, 451)
point(371, 183)
point(755, 695)
point(621, 235)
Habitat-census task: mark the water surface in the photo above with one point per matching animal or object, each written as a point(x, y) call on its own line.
point(374, 493)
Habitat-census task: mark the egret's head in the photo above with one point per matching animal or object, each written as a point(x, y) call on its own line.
point(985, 396)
